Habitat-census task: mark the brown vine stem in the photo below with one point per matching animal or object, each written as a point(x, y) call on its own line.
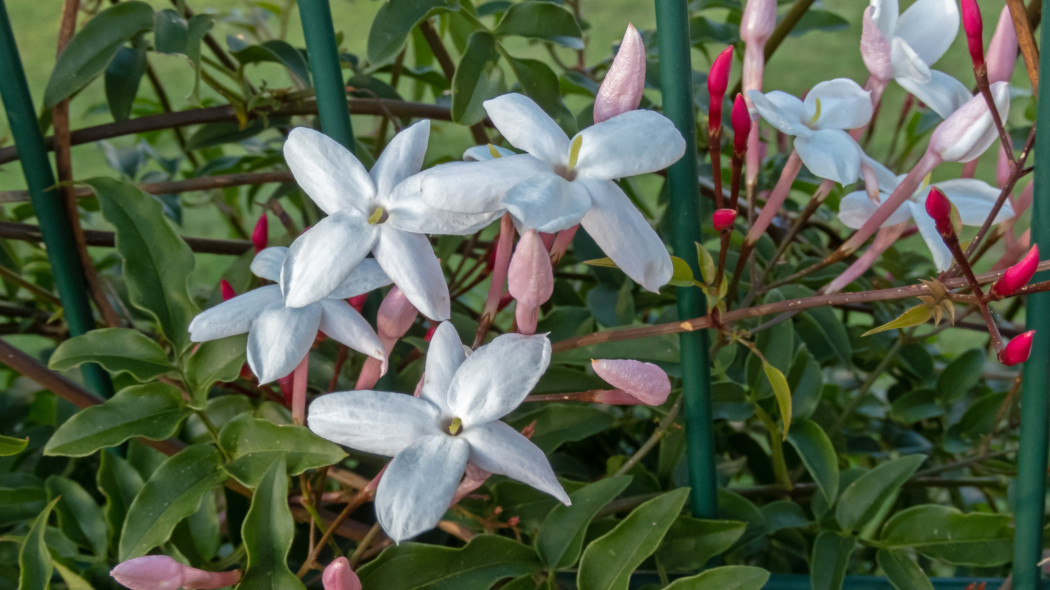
point(1026, 41)
point(31, 233)
point(448, 67)
point(201, 183)
point(360, 498)
point(165, 103)
point(654, 438)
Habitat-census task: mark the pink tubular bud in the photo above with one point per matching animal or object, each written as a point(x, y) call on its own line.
point(940, 209)
point(396, 315)
point(741, 119)
point(1018, 350)
point(968, 132)
point(261, 233)
point(758, 21)
point(621, 90)
point(160, 572)
point(339, 576)
point(717, 82)
point(875, 48)
point(530, 280)
point(227, 290)
point(644, 382)
point(723, 219)
point(358, 302)
point(1018, 275)
point(1002, 50)
point(971, 18)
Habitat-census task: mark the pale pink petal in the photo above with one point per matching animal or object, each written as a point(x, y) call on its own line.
point(621, 90)
point(339, 576)
point(644, 381)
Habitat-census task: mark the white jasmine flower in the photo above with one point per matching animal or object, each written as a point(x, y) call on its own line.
point(454, 420)
point(279, 337)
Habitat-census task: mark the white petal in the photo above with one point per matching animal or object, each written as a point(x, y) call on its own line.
point(409, 212)
point(379, 422)
point(843, 104)
point(279, 339)
point(267, 263)
point(628, 144)
point(942, 256)
point(907, 64)
point(942, 93)
point(782, 111)
point(444, 357)
point(498, 448)
point(323, 257)
point(547, 203)
point(418, 485)
point(885, 15)
point(408, 259)
point(929, 27)
point(343, 323)
point(367, 277)
point(496, 377)
point(974, 200)
point(328, 172)
point(855, 209)
point(475, 187)
point(831, 154)
point(886, 178)
point(234, 316)
point(480, 153)
point(524, 124)
point(401, 158)
point(625, 236)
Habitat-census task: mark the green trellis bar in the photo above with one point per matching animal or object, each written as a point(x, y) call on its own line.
point(47, 204)
point(676, 85)
point(1030, 490)
point(328, 76)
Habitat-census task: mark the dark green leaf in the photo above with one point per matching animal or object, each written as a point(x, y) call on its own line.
point(691, 542)
point(267, 532)
point(916, 405)
point(902, 571)
point(157, 262)
point(78, 515)
point(253, 445)
point(818, 455)
point(395, 20)
point(959, 377)
point(477, 79)
point(864, 498)
point(119, 483)
point(539, 82)
point(152, 411)
point(10, 445)
point(170, 32)
point(198, 536)
point(21, 502)
point(560, 423)
point(94, 45)
point(224, 132)
point(172, 493)
point(609, 560)
point(727, 577)
point(560, 538)
point(942, 532)
point(123, 76)
point(485, 560)
point(116, 350)
point(831, 331)
point(275, 51)
point(541, 20)
point(831, 553)
point(34, 560)
point(819, 20)
point(214, 361)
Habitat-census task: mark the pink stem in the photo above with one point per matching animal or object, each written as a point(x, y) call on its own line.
point(504, 248)
point(299, 390)
point(751, 77)
point(969, 168)
point(201, 580)
point(883, 240)
point(776, 198)
point(561, 243)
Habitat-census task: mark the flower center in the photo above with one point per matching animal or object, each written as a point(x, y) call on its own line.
point(455, 426)
point(379, 215)
point(569, 172)
point(816, 114)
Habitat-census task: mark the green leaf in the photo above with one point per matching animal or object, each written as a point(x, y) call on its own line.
point(682, 275)
point(818, 455)
point(157, 262)
point(267, 531)
point(92, 48)
point(22, 500)
point(539, 82)
point(275, 51)
point(10, 445)
point(915, 406)
point(557, 424)
point(123, 76)
point(477, 78)
point(781, 391)
point(865, 497)
point(254, 445)
point(198, 536)
point(172, 493)
point(214, 361)
point(34, 560)
point(118, 350)
point(608, 561)
point(691, 542)
point(902, 571)
point(915, 316)
point(708, 270)
point(942, 532)
point(119, 482)
point(831, 330)
point(819, 20)
point(152, 411)
point(560, 538)
point(485, 560)
point(831, 553)
point(395, 20)
point(541, 20)
point(727, 577)
point(961, 375)
point(71, 578)
point(79, 517)
point(170, 32)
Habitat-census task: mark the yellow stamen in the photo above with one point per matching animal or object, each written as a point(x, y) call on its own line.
point(494, 152)
point(926, 181)
point(816, 115)
point(574, 151)
point(376, 216)
point(455, 426)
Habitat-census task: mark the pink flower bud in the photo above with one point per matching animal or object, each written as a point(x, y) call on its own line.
point(717, 82)
point(741, 119)
point(758, 21)
point(358, 302)
point(339, 576)
point(1018, 350)
point(1018, 275)
point(396, 315)
point(875, 48)
point(968, 132)
point(940, 209)
point(971, 18)
point(261, 233)
point(530, 280)
point(621, 90)
point(160, 572)
point(723, 219)
point(1002, 50)
point(645, 383)
point(227, 290)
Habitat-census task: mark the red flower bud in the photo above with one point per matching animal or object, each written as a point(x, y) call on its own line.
point(717, 82)
point(261, 233)
point(741, 125)
point(940, 209)
point(227, 290)
point(723, 219)
point(1017, 351)
point(1018, 275)
point(971, 17)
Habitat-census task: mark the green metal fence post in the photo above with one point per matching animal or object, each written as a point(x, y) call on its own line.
point(47, 204)
point(328, 76)
point(676, 85)
point(1030, 491)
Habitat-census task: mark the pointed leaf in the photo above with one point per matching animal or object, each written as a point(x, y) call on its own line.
point(865, 497)
point(902, 571)
point(117, 350)
point(477, 78)
point(79, 517)
point(915, 316)
point(560, 539)
point(214, 361)
point(682, 275)
point(942, 532)
point(691, 542)
point(267, 532)
point(253, 445)
point(119, 482)
point(34, 560)
point(831, 553)
point(782, 392)
point(123, 76)
point(395, 20)
point(10, 445)
point(485, 560)
point(706, 263)
point(818, 455)
point(541, 20)
point(727, 577)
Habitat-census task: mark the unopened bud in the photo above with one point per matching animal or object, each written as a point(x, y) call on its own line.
point(741, 119)
point(940, 209)
point(396, 315)
point(160, 572)
point(968, 131)
point(1018, 350)
point(226, 289)
point(758, 21)
point(621, 90)
point(1018, 275)
point(717, 82)
point(261, 233)
point(723, 219)
point(530, 280)
point(644, 383)
point(875, 48)
point(1002, 49)
point(971, 18)
point(339, 576)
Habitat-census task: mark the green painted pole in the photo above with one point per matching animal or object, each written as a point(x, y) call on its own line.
point(328, 76)
point(1030, 489)
point(676, 85)
point(47, 204)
